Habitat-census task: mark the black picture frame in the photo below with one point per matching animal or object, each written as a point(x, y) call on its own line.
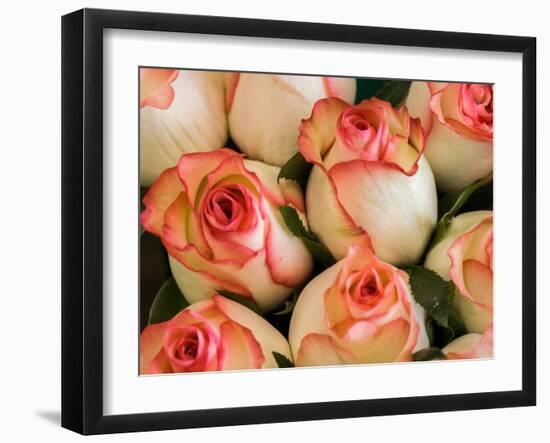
point(82, 218)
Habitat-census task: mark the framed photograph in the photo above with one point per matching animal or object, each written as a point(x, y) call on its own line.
point(269, 221)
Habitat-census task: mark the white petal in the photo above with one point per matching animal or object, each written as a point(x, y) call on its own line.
point(254, 276)
point(398, 212)
point(325, 217)
point(267, 110)
point(471, 346)
point(418, 103)
point(289, 261)
point(194, 122)
point(309, 313)
point(269, 338)
point(476, 318)
point(423, 340)
point(456, 161)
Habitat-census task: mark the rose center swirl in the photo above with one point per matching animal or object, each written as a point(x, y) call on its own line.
point(477, 103)
point(366, 289)
point(228, 208)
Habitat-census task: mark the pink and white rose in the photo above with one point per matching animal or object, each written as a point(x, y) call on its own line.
point(180, 112)
point(458, 120)
point(471, 345)
point(370, 182)
point(218, 217)
point(265, 110)
point(360, 310)
point(211, 335)
point(465, 256)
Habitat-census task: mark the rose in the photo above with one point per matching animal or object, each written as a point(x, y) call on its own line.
point(211, 335)
point(218, 217)
point(370, 183)
point(458, 119)
point(471, 346)
point(265, 110)
point(360, 310)
point(180, 112)
point(465, 256)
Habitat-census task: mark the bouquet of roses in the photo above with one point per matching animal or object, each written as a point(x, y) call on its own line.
point(300, 221)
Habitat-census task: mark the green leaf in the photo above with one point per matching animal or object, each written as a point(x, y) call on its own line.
point(282, 360)
point(439, 335)
point(241, 299)
point(167, 303)
point(293, 222)
point(430, 330)
point(319, 251)
point(450, 205)
point(440, 230)
point(456, 325)
point(153, 273)
point(427, 354)
point(367, 88)
point(394, 91)
point(454, 201)
point(296, 168)
point(431, 292)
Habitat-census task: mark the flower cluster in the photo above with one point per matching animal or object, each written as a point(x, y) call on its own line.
point(301, 224)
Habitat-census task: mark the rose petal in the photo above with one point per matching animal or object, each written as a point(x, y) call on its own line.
point(194, 167)
point(268, 337)
point(238, 348)
point(320, 350)
point(309, 314)
point(478, 280)
point(437, 258)
point(155, 87)
point(194, 122)
point(181, 228)
point(231, 82)
point(251, 278)
point(287, 258)
point(150, 345)
point(158, 198)
point(339, 87)
point(265, 124)
point(470, 246)
point(337, 309)
point(379, 345)
point(317, 134)
point(401, 153)
point(278, 193)
point(445, 104)
point(418, 104)
point(471, 346)
point(397, 211)
point(328, 219)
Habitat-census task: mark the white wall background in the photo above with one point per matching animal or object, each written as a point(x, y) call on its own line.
point(30, 277)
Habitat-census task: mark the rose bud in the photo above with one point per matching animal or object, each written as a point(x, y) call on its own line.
point(465, 256)
point(218, 217)
point(265, 110)
point(180, 112)
point(458, 121)
point(211, 335)
point(370, 183)
point(360, 310)
point(471, 346)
